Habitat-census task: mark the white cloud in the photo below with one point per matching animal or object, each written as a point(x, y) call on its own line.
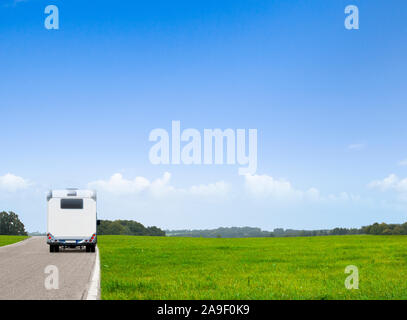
point(13, 183)
point(119, 185)
point(257, 186)
point(343, 196)
point(267, 186)
point(356, 146)
point(385, 184)
point(403, 162)
point(213, 189)
point(392, 182)
point(159, 187)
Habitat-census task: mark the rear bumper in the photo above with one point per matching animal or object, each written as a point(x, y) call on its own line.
point(71, 242)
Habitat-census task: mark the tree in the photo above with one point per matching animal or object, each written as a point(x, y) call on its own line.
point(398, 230)
point(116, 228)
point(127, 227)
point(10, 224)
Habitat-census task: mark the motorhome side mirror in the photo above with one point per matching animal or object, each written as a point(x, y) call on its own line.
point(98, 222)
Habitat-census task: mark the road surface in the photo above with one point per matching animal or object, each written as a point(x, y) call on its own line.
point(23, 276)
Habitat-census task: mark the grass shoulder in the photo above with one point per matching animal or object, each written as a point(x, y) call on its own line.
point(6, 240)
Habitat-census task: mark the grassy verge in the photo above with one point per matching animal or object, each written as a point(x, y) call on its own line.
point(6, 240)
point(254, 268)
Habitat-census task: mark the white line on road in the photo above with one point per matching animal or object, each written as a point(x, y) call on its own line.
point(94, 286)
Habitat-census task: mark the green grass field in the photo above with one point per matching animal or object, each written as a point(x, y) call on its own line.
point(252, 268)
point(5, 240)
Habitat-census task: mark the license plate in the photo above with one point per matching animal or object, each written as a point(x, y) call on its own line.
point(70, 241)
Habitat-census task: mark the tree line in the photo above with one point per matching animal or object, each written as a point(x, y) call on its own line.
point(280, 232)
point(386, 229)
point(249, 232)
point(127, 227)
point(10, 224)
point(373, 229)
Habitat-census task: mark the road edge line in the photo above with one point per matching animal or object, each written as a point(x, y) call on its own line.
point(94, 285)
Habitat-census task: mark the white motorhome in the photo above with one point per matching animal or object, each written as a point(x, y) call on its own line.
point(71, 219)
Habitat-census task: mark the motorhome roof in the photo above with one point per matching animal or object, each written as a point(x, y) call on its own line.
point(72, 193)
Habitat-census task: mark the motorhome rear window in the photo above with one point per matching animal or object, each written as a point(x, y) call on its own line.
point(71, 203)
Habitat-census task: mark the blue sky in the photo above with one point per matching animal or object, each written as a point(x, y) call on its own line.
point(77, 105)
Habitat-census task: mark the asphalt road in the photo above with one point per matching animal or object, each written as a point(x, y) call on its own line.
point(23, 271)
